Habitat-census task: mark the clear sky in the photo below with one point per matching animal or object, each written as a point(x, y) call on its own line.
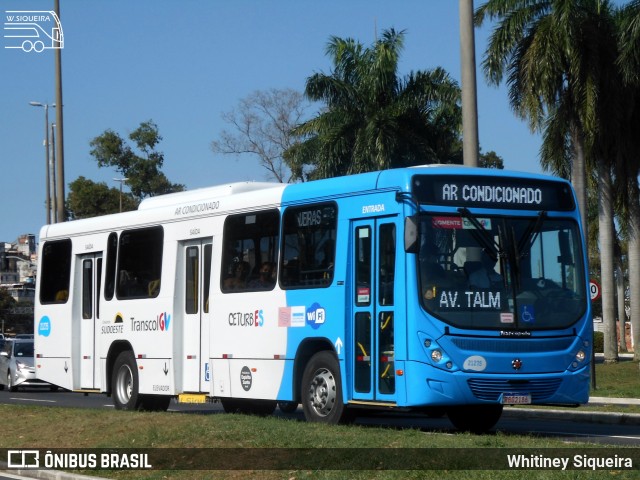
point(183, 63)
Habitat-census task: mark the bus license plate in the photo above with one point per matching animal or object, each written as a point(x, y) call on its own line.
point(516, 399)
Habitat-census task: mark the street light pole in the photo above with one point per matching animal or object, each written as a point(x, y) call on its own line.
point(121, 180)
point(54, 197)
point(46, 152)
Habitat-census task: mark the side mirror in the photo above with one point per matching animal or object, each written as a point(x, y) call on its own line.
point(411, 234)
point(566, 257)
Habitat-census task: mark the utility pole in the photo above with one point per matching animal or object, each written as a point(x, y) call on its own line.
point(470, 143)
point(59, 125)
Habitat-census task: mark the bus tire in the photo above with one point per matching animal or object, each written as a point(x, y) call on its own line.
point(474, 418)
point(322, 390)
point(124, 383)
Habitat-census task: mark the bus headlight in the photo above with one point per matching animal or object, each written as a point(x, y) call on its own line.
point(580, 356)
point(436, 356)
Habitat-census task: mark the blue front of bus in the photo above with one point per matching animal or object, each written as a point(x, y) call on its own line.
point(502, 314)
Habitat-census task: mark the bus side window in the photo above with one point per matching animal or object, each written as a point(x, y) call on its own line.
point(56, 271)
point(250, 246)
point(110, 274)
point(140, 263)
point(387, 262)
point(308, 246)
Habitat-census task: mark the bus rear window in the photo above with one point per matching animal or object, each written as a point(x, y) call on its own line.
point(56, 270)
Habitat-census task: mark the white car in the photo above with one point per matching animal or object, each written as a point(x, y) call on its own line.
point(16, 365)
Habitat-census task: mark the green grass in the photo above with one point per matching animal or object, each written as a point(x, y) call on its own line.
point(56, 427)
point(618, 380)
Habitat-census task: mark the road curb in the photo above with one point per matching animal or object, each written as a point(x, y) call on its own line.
point(609, 418)
point(45, 474)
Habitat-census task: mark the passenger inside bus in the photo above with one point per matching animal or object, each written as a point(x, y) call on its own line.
point(265, 278)
point(238, 279)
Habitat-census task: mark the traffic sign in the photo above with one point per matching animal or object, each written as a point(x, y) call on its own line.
point(595, 290)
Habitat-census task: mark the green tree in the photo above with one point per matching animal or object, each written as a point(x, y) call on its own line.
point(90, 199)
point(558, 57)
point(629, 165)
point(142, 169)
point(491, 160)
point(372, 119)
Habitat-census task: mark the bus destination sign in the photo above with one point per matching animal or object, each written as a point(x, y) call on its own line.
point(492, 192)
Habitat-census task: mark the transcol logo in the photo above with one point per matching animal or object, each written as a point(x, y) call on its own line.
point(160, 323)
point(164, 319)
point(33, 30)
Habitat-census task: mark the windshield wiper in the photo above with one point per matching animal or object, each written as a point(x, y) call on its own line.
point(531, 234)
point(480, 235)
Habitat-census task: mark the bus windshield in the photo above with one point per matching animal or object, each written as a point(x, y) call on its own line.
point(503, 273)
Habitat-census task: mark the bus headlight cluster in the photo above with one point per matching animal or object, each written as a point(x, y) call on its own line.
point(435, 353)
point(579, 359)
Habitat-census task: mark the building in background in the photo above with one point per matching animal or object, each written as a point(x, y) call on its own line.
point(18, 262)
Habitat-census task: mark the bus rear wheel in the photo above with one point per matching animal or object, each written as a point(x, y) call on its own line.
point(474, 418)
point(322, 390)
point(124, 383)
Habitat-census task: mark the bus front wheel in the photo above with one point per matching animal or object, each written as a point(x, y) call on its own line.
point(474, 418)
point(322, 390)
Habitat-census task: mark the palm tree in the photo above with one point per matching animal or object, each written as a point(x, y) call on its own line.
point(630, 162)
point(374, 120)
point(559, 58)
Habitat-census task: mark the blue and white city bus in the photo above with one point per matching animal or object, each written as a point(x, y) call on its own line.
point(436, 288)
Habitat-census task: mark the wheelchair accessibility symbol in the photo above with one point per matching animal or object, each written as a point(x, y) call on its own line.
point(527, 314)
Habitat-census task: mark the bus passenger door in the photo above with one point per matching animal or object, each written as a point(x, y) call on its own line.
point(373, 265)
point(195, 279)
point(91, 273)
